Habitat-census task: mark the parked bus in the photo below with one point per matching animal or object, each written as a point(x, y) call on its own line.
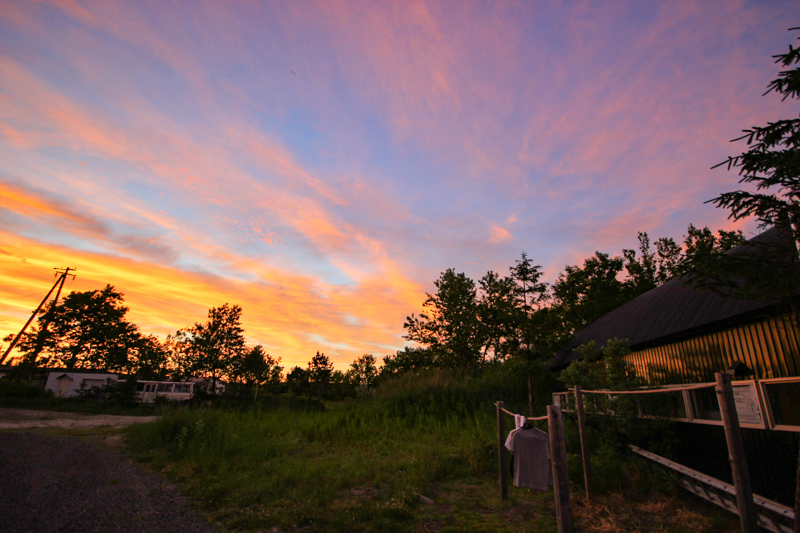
point(148, 391)
point(179, 391)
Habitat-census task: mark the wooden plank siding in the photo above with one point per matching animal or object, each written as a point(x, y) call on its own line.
point(771, 348)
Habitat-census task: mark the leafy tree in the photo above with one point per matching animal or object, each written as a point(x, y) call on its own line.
point(605, 369)
point(149, 359)
point(409, 359)
point(651, 267)
point(643, 271)
point(298, 381)
point(179, 362)
point(449, 326)
point(499, 315)
point(85, 330)
point(535, 334)
point(703, 242)
point(669, 257)
point(256, 368)
point(584, 294)
point(320, 371)
point(363, 371)
point(212, 348)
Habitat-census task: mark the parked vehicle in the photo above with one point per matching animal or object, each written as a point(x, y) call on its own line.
point(180, 391)
point(148, 391)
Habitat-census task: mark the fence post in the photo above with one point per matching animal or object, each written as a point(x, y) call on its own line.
point(587, 469)
point(733, 435)
point(797, 498)
point(558, 456)
point(501, 451)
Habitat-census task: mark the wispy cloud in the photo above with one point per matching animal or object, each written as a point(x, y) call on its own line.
point(321, 163)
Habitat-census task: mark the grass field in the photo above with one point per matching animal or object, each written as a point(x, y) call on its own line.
point(419, 457)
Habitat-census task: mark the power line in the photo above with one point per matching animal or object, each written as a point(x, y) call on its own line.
point(62, 274)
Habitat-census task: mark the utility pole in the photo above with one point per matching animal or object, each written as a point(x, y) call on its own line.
point(62, 274)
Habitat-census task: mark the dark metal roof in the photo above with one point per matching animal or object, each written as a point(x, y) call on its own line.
point(671, 311)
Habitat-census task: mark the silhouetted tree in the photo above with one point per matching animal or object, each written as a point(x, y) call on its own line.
point(213, 347)
point(298, 381)
point(409, 359)
point(449, 326)
point(771, 163)
point(86, 330)
point(320, 370)
point(256, 368)
point(149, 359)
point(363, 371)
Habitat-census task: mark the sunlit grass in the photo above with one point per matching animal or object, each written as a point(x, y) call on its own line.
point(364, 466)
point(352, 469)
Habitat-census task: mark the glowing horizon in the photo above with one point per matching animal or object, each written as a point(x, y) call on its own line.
point(321, 163)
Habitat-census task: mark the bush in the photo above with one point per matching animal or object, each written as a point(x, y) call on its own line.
point(15, 390)
point(120, 393)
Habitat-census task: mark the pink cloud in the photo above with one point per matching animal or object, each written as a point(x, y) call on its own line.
point(499, 235)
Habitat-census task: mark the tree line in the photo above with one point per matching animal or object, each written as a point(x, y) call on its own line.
point(465, 325)
point(90, 330)
point(462, 326)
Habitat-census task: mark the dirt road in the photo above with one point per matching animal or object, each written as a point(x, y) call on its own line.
point(65, 484)
point(28, 419)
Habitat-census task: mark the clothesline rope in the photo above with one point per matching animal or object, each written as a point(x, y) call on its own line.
point(648, 391)
point(531, 418)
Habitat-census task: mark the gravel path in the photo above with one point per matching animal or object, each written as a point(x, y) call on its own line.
point(27, 419)
point(63, 484)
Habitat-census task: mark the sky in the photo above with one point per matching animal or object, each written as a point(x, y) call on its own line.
point(320, 164)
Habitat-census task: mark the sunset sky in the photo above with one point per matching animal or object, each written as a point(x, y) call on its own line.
point(321, 163)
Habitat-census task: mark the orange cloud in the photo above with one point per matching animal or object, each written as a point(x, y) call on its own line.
point(284, 312)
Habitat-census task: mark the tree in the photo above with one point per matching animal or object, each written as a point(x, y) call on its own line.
point(703, 242)
point(85, 330)
point(212, 348)
point(298, 380)
point(651, 267)
point(770, 164)
point(179, 363)
point(363, 371)
point(320, 370)
point(149, 359)
point(449, 327)
point(409, 359)
point(529, 287)
point(584, 294)
point(643, 271)
point(256, 368)
point(499, 315)
point(772, 161)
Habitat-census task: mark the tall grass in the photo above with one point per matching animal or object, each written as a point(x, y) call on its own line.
point(360, 466)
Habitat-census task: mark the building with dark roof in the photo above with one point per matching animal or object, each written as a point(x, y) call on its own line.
point(680, 333)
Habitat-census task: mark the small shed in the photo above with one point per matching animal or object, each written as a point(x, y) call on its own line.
point(68, 383)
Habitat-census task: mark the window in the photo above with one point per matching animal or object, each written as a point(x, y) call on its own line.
point(666, 405)
point(164, 387)
point(782, 397)
point(704, 405)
